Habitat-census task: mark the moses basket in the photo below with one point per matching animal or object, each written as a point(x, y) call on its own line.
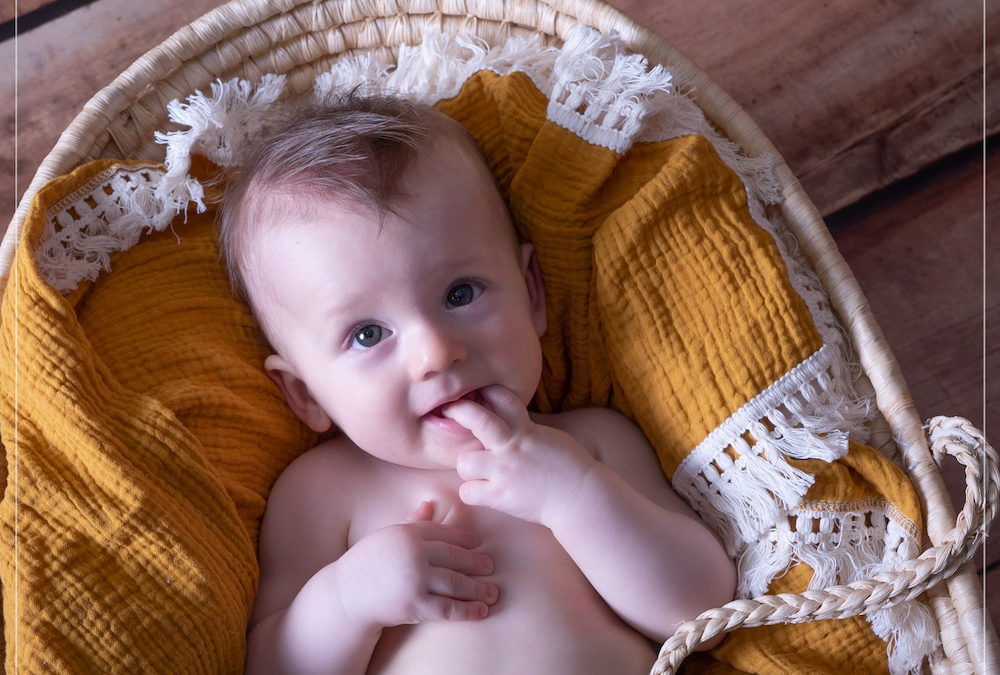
point(298, 39)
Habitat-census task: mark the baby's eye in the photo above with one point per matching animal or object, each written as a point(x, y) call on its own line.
point(368, 336)
point(461, 294)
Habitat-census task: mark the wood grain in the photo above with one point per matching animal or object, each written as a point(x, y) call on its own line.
point(11, 9)
point(60, 65)
point(854, 94)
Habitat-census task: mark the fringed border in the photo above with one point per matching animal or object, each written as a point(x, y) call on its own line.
point(738, 479)
point(603, 94)
point(844, 543)
point(105, 215)
point(436, 69)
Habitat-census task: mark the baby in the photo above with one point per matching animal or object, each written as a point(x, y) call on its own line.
point(448, 529)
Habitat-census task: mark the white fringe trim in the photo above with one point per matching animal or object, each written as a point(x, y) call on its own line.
point(597, 90)
point(738, 478)
point(436, 69)
point(842, 543)
point(911, 635)
point(217, 125)
point(602, 94)
point(856, 541)
point(104, 216)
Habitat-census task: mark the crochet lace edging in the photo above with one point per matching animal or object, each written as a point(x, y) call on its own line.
point(595, 88)
point(105, 215)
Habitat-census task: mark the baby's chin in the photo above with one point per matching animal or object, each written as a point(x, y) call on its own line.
point(446, 458)
point(436, 457)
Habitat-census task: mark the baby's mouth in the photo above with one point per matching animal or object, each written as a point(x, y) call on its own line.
point(473, 396)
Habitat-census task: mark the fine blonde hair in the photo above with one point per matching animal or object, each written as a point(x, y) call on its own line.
point(355, 152)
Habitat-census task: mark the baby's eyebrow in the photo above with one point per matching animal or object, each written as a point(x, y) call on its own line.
point(340, 312)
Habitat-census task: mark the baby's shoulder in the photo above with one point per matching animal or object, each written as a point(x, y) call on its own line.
point(305, 524)
point(318, 489)
point(334, 464)
point(309, 510)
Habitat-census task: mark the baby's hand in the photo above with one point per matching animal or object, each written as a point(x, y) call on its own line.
point(416, 571)
point(527, 470)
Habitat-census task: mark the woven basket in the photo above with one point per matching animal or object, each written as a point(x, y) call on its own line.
point(300, 38)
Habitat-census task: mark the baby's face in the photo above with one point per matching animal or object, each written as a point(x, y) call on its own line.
point(385, 326)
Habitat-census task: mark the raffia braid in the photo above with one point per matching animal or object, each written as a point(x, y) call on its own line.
point(951, 436)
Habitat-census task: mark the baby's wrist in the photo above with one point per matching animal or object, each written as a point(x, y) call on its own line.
point(562, 510)
point(349, 595)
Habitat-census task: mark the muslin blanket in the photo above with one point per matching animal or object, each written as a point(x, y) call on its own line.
point(142, 436)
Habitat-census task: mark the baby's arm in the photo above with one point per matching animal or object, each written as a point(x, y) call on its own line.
point(321, 606)
point(648, 555)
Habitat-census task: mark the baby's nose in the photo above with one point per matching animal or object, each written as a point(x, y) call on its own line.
point(435, 348)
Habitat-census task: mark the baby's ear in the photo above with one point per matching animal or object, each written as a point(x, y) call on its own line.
point(532, 272)
point(297, 394)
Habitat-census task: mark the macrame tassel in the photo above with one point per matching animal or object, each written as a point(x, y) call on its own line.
point(436, 68)
point(837, 545)
point(601, 94)
point(908, 628)
point(865, 539)
point(910, 633)
point(743, 498)
point(107, 215)
point(218, 125)
point(762, 561)
point(800, 416)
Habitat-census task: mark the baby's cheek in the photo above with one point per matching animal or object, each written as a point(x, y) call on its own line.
point(531, 372)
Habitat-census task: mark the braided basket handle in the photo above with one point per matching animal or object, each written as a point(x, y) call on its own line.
point(952, 436)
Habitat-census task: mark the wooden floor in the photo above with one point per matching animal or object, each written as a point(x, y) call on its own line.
point(919, 248)
point(878, 107)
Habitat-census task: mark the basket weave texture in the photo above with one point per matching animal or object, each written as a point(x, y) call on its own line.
point(301, 38)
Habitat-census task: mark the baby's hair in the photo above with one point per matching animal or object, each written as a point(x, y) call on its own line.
point(355, 151)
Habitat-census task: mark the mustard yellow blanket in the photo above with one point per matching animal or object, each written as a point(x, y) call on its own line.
point(142, 437)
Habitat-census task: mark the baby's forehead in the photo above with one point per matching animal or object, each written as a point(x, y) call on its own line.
point(443, 160)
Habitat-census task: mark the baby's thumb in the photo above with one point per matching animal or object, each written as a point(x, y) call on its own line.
point(423, 512)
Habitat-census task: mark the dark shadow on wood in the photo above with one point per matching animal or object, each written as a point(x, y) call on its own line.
point(39, 17)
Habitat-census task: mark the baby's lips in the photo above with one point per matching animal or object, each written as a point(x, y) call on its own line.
point(471, 397)
point(481, 400)
point(475, 396)
point(445, 410)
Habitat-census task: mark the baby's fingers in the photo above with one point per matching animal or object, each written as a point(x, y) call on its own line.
point(505, 403)
point(491, 430)
point(430, 531)
point(477, 465)
point(452, 585)
point(476, 493)
point(438, 608)
point(459, 559)
point(423, 512)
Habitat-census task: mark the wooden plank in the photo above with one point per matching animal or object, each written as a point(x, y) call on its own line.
point(917, 249)
point(60, 65)
point(854, 94)
point(11, 9)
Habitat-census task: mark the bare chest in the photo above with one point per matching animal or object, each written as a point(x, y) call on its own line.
point(549, 619)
